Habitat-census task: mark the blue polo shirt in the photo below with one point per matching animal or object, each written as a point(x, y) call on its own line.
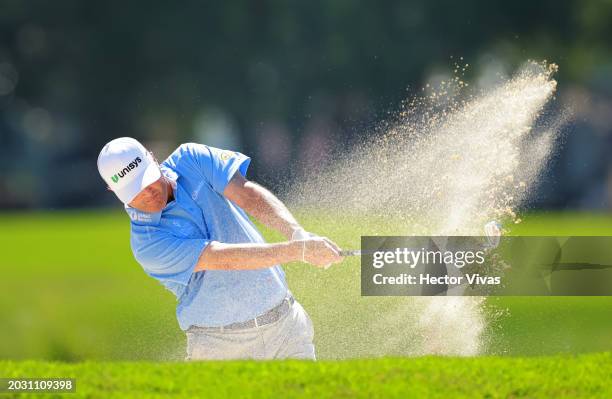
point(168, 244)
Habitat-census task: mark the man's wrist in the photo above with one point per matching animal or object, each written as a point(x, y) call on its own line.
point(296, 250)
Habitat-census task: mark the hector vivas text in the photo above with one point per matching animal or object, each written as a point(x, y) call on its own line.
point(412, 258)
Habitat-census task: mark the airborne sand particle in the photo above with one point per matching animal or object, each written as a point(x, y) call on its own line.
point(447, 166)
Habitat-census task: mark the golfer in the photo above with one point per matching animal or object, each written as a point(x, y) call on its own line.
point(190, 231)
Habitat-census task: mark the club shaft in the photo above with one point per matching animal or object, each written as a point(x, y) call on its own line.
point(351, 252)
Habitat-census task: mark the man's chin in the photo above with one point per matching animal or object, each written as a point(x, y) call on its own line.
point(157, 209)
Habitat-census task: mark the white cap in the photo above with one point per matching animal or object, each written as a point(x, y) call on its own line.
point(127, 167)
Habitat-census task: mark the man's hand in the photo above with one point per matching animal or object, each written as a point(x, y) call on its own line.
point(320, 252)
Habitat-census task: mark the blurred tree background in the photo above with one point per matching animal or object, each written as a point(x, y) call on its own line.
point(282, 81)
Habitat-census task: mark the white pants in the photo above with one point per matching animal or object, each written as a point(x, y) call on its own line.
point(289, 337)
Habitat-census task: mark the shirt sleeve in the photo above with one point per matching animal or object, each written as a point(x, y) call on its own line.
point(165, 257)
point(218, 166)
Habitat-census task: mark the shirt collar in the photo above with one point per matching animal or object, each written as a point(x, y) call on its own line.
point(154, 218)
point(170, 174)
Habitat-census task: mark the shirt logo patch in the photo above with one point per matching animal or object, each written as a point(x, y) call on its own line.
point(140, 216)
point(225, 155)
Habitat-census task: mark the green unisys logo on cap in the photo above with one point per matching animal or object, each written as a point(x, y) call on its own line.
point(131, 166)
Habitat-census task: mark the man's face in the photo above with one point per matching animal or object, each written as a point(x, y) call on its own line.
point(152, 198)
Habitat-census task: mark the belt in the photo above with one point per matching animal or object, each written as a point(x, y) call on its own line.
point(269, 317)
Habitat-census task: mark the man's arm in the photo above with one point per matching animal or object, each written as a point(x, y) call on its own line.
point(222, 256)
point(269, 210)
point(318, 251)
point(260, 203)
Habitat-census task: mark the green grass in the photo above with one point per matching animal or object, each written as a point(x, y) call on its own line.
point(588, 376)
point(72, 291)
